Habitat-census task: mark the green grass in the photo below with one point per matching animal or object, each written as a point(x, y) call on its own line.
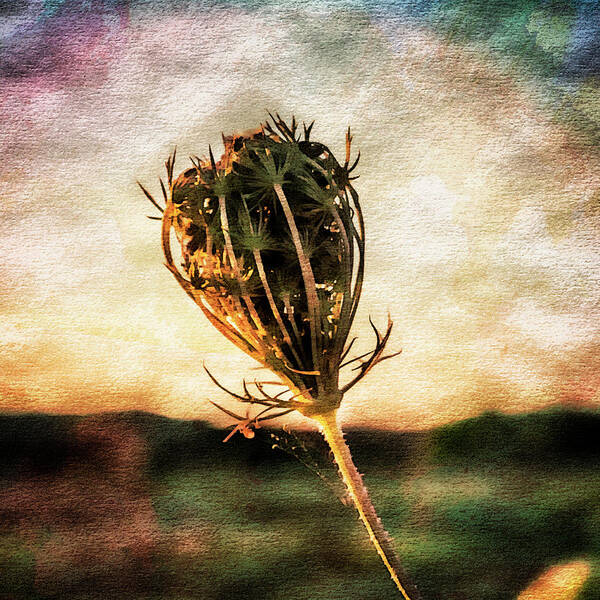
point(476, 509)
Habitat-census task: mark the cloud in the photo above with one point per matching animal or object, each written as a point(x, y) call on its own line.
point(481, 239)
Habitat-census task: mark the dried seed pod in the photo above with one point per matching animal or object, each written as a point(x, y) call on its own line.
point(272, 245)
point(272, 249)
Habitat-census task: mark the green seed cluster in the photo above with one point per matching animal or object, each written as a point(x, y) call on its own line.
point(272, 245)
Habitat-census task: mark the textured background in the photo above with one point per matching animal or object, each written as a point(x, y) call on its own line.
point(478, 124)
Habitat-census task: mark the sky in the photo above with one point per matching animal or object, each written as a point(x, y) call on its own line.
point(478, 125)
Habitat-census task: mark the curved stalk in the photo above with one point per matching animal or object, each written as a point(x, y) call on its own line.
point(309, 282)
point(263, 278)
point(360, 496)
point(262, 332)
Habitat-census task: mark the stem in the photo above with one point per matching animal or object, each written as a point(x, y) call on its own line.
point(309, 281)
point(360, 496)
point(263, 278)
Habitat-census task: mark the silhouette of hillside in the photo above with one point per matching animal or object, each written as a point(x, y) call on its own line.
point(135, 505)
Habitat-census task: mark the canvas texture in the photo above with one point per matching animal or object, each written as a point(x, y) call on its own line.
point(478, 124)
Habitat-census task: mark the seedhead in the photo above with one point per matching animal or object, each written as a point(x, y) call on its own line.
point(272, 245)
point(272, 250)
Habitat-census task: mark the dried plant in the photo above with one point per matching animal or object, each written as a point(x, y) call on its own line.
point(272, 250)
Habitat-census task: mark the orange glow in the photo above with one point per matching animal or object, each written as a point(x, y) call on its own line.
point(560, 582)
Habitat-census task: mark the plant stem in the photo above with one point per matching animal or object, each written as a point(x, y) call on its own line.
point(309, 282)
point(360, 496)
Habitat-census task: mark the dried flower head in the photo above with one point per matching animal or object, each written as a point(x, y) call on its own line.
point(272, 247)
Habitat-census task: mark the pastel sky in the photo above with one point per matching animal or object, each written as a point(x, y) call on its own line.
point(479, 179)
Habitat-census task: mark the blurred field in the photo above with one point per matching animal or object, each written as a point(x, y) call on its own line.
point(138, 506)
